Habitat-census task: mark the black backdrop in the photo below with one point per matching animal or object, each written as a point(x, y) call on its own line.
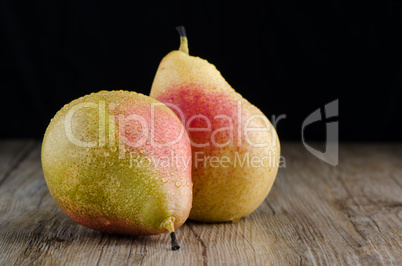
point(286, 57)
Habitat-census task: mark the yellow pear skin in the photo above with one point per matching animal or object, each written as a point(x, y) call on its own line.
point(103, 161)
point(235, 149)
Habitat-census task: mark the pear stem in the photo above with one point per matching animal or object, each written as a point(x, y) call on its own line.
point(168, 224)
point(175, 245)
point(183, 39)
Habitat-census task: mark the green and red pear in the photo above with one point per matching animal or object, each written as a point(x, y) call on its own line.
point(119, 162)
point(235, 148)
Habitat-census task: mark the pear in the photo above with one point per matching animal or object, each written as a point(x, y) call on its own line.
point(119, 162)
point(235, 148)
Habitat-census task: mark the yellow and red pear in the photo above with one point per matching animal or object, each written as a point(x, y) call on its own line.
point(119, 162)
point(235, 148)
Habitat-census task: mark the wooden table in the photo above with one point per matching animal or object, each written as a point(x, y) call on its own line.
point(315, 214)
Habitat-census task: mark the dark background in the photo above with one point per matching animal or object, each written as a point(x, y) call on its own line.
point(286, 57)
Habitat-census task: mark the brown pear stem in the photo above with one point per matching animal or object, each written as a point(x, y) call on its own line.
point(175, 245)
point(183, 39)
point(168, 224)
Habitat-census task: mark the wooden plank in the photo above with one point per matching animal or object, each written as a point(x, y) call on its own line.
point(12, 153)
point(315, 214)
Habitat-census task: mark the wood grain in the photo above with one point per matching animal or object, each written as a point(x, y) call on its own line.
point(315, 214)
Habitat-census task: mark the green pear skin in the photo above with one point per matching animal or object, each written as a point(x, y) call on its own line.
point(106, 158)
